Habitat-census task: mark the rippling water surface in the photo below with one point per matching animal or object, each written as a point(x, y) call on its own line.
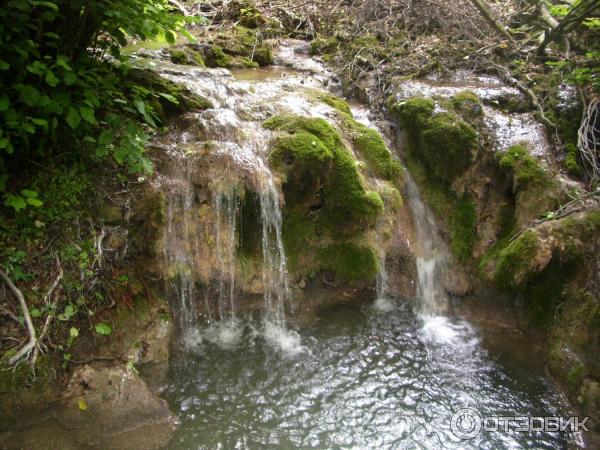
point(363, 377)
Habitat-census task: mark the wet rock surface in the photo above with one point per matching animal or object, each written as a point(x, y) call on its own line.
point(102, 407)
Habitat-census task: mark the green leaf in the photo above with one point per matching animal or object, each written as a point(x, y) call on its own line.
point(47, 4)
point(70, 78)
point(73, 332)
point(51, 79)
point(62, 62)
point(106, 138)
point(87, 114)
point(15, 202)
point(170, 37)
point(35, 202)
point(4, 65)
point(40, 123)
point(34, 312)
point(169, 97)
point(188, 35)
point(29, 193)
point(4, 103)
point(103, 328)
point(67, 313)
point(73, 118)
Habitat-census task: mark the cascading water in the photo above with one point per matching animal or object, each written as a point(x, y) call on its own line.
point(275, 276)
point(181, 240)
point(370, 380)
point(431, 254)
point(227, 207)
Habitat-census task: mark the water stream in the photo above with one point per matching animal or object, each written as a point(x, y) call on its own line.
point(379, 375)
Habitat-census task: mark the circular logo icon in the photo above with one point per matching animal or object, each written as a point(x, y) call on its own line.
point(466, 423)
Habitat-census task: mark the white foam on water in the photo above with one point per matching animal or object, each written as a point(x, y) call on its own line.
point(442, 330)
point(192, 339)
point(285, 340)
point(384, 305)
point(226, 333)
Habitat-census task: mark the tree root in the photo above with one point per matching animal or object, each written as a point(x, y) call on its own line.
point(25, 350)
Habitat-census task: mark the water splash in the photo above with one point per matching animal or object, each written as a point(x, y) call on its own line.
point(383, 303)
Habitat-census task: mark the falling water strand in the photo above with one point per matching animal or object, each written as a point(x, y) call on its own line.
point(181, 241)
point(431, 255)
point(275, 275)
point(382, 278)
point(227, 210)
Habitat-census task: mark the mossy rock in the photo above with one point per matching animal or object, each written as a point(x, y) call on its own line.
point(536, 190)
point(325, 197)
point(349, 261)
point(443, 141)
point(237, 42)
point(310, 152)
point(335, 102)
point(172, 97)
point(525, 169)
point(468, 105)
point(369, 144)
point(514, 261)
point(366, 141)
point(186, 56)
point(463, 228)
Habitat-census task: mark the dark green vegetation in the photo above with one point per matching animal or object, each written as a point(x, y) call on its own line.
point(74, 122)
point(236, 47)
point(325, 198)
point(441, 148)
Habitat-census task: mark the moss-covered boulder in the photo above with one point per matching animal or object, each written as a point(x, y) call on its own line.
point(443, 141)
point(186, 55)
point(237, 47)
point(535, 189)
point(171, 98)
point(326, 201)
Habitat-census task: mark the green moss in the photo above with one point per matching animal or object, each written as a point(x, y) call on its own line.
point(324, 45)
point(514, 260)
point(326, 203)
point(230, 47)
point(370, 145)
point(463, 228)
point(447, 144)
point(311, 155)
point(467, 104)
point(186, 56)
point(185, 99)
point(335, 102)
point(571, 161)
point(413, 113)
point(444, 142)
point(391, 197)
point(525, 169)
point(349, 261)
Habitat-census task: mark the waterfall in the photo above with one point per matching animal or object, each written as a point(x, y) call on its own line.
point(227, 206)
point(274, 274)
point(431, 254)
point(181, 239)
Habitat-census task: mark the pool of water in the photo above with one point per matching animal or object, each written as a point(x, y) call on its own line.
point(371, 376)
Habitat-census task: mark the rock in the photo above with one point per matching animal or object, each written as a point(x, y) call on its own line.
point(107, 407)
point(102, 407)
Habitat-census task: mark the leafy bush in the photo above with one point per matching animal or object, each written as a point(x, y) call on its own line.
point(64, 88)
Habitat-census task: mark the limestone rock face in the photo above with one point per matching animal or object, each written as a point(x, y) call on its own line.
point(102, 407)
